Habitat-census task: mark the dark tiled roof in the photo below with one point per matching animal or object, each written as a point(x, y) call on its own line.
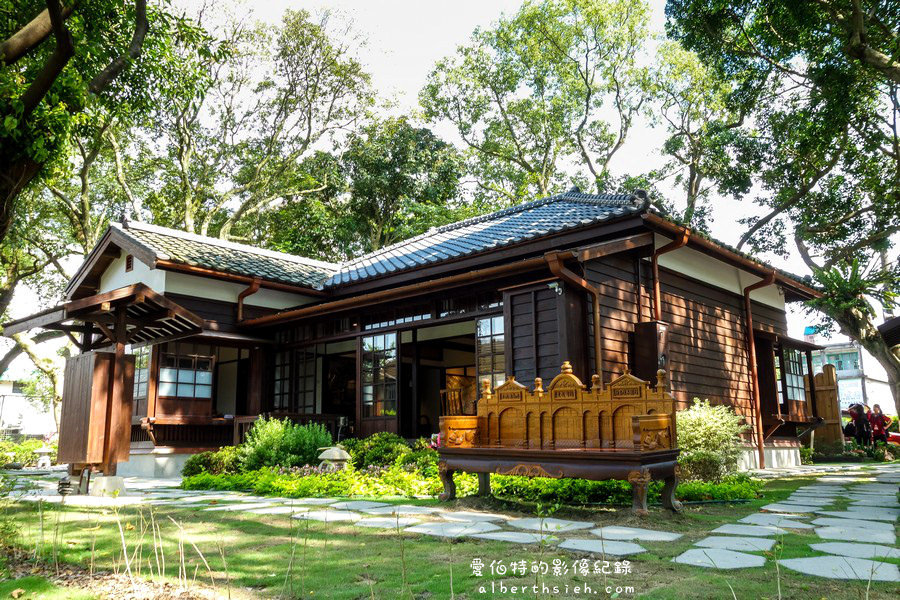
point(503, 228)
point(228, 257)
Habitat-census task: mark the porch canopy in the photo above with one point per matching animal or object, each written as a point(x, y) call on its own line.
point(134, 314)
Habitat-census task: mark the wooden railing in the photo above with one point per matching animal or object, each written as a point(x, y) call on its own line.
point(458, 401)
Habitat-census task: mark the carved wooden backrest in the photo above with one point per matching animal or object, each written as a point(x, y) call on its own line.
point(569, 415)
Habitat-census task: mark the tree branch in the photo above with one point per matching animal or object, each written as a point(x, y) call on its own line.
point(64, 50)
point(112, 70)
point(30, 36)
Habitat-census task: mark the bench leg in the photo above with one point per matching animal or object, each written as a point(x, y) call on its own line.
point(639, 481)
point(668, 494)
point(446, 476)
point(484, 484)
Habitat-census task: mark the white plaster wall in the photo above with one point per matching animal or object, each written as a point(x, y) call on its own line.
point(705, 268)
point(216, 289)
point(115, 276)
point(776, 458)
point(152, 465)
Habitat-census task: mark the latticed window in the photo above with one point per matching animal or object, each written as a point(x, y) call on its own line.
point(281, 394)
point(379, 375)
point(187, 372)
point(305, 378)
point(489, 350)
point(141, 372)
point(794, 368)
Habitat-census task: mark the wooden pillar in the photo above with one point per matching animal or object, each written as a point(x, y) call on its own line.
point(117, 403)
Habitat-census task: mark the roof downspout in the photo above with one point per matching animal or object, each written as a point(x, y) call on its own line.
point(754, 375)
point(675, 244)
point(251, 289)
point(554, 261)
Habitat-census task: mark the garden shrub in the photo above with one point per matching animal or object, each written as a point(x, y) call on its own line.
point(226, 459)
point(711, 429)
point(24, 452)
point(806, 456)
point(197, 463)
point(423, 460)
point(380, 449)
point(702, 466)
point(281, 443)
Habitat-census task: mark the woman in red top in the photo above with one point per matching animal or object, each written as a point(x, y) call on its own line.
point(880, 422)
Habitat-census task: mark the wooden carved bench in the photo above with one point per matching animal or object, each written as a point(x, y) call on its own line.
point(625, 430)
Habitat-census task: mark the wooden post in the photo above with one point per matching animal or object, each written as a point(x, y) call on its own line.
point(116, 404)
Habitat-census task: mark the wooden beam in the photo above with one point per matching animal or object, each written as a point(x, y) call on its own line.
point(41, 319)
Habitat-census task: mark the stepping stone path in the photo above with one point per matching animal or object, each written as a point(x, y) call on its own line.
point(776, 520)
point(549, 525)
point(746, 544)
point(848, 523)
point(387, 522)
point(517, 537)
point(240, 507)
point(857, 550)
point(868, 515)
point(799, 509)
point(719, 559)
point(402, 509)
point(453, 530)
point(358, 505)
point(464, 515)
point(755, 530)
point(328, 516)
point(843, 567)
point(857, 534)
point(614, 532)
point(604, 547)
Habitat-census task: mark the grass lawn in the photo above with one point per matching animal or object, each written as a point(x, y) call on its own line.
point(275, 556)
point(39, 588)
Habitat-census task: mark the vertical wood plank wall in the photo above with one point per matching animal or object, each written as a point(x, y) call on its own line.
point(707, 352)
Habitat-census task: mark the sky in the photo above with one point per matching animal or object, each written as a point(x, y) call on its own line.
point(405, 38)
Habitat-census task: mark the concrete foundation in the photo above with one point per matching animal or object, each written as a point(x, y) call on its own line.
point(152, 464)
point(777, 457)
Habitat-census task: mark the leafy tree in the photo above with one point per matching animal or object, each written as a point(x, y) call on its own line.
point(535, 91)
point(819, 82)
point(236, 147)
point(56, 62)
point(402, 180)
point(693, 107)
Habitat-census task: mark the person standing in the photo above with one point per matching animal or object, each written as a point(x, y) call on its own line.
point(863, 432)
point(879, 423)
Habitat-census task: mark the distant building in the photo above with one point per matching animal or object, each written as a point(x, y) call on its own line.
point(859, 376)
point(19, 415)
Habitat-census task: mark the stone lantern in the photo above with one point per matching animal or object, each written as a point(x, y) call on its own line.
point(334, 458)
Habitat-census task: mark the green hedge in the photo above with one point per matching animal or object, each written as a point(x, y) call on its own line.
point(404, 481)
point(24, 452)
point(584, 491)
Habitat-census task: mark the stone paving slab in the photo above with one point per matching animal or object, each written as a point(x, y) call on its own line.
point(605, 547)
point(799, 509)
point(358, 505)
point(741, 544)
point(517, 537)
point(239, 507)
point(876, 501)
point(615, 532)
point(387, 522)
point(453, 530)
point(403, 509)
point(808, 501)
point(314, 501)
point(776, 520)
point(755, 530)
point(275, 510)
point(328, 516)
point(855, 514)
point(849, 523)
point(857, 550)
point(857, 534)
point(466, 515)
point(549, 524)
point(886, 512)
point(843, 567)
point(719, 559)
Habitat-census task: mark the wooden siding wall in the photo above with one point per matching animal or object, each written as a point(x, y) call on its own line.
point(533, 323)
point(707, 352)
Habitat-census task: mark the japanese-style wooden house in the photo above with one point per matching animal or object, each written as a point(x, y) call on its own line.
point(221, 333)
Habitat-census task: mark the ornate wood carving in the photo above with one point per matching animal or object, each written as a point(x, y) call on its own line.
point(528, 471)
point(567, 415)
point(459, 431)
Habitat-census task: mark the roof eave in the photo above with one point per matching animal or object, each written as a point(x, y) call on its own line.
point(799, 289)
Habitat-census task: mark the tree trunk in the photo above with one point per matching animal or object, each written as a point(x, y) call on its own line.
point(14, 176)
